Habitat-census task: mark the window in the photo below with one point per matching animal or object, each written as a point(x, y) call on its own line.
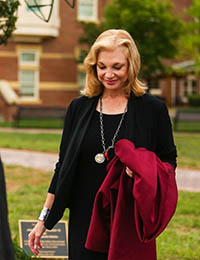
point(87, 10)
point(154, 87)
point(28, 78)
point(190, 87)
point(28, 73)
point(81, 79)
point(29, 58)
point(154, 83)
point(194, 86)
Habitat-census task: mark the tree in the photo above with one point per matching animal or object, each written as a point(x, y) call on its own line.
point(152, 25)
point(191, 39)
point(8, 19)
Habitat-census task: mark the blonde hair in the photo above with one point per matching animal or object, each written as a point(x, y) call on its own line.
point(109, 40)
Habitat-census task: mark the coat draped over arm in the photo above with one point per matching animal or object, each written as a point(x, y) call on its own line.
point(128, 213)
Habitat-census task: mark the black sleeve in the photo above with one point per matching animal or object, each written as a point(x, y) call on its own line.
point(6, 247)
point(165, 147)
point(67, 131)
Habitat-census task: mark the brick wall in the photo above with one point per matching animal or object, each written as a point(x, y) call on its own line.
point(8, 68)
point(180, 5)
point(8, 111)
point(57, 98)
point(58, 70)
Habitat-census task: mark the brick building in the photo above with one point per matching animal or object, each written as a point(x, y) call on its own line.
point(39, 64)
point(183, 81)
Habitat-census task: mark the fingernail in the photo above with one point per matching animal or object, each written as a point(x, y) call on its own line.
point(35, 247)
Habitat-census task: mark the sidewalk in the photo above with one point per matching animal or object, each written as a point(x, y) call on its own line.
point(38, 160)
point(29, 130)
point(186, 179)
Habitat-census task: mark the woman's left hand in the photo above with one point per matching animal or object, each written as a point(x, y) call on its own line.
point(129, 172)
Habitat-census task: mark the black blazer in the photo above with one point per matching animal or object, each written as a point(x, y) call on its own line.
point(148, 125)
point(6, 247)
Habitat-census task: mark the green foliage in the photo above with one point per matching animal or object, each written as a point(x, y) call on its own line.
point(152, 26)
point(19, 253)
point(91, 31)
point(194, 100)
point(191, 39)
point(8, 18)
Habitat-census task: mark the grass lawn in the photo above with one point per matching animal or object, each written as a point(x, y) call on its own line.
point(181, 239)
point(188, 127)
point(36, 123)
point(43, 142)
point(26, 191)
point(188, 145)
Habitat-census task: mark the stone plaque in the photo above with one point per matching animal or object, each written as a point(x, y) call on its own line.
point(54, 241)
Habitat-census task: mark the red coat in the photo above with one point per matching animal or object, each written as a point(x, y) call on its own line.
point(129, 214)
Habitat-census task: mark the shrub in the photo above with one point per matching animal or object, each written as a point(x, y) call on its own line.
point(19, 253)
point(194, 100)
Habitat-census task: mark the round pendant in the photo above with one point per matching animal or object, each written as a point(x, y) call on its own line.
point(99, 158)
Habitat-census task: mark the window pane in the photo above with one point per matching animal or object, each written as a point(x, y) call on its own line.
point(27, 91)
point(86, 9)
point(27, 57)
point(27, 82)
point(27, 76)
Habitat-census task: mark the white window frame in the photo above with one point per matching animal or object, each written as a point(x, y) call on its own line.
point(29, 63)
point(93, 18)
point(35, 85)
point(29, 66)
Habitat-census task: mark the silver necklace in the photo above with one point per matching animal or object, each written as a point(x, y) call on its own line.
point(100, 157)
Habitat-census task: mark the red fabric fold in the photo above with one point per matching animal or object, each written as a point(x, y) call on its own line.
point(129, 214)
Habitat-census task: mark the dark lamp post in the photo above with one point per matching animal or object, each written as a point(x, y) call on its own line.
point(71, 3)
point(38, 7)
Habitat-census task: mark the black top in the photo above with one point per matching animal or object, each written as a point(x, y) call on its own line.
point(89, 178)
point(147, 125)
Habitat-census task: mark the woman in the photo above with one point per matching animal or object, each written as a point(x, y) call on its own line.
point(6, 247)
point(114, 106)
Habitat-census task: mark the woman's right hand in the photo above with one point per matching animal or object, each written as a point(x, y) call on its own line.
point(34, 237)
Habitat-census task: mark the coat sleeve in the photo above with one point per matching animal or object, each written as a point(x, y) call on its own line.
point(154, 190)
point(165, 147)
point(67, 131)
point(6, 247)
